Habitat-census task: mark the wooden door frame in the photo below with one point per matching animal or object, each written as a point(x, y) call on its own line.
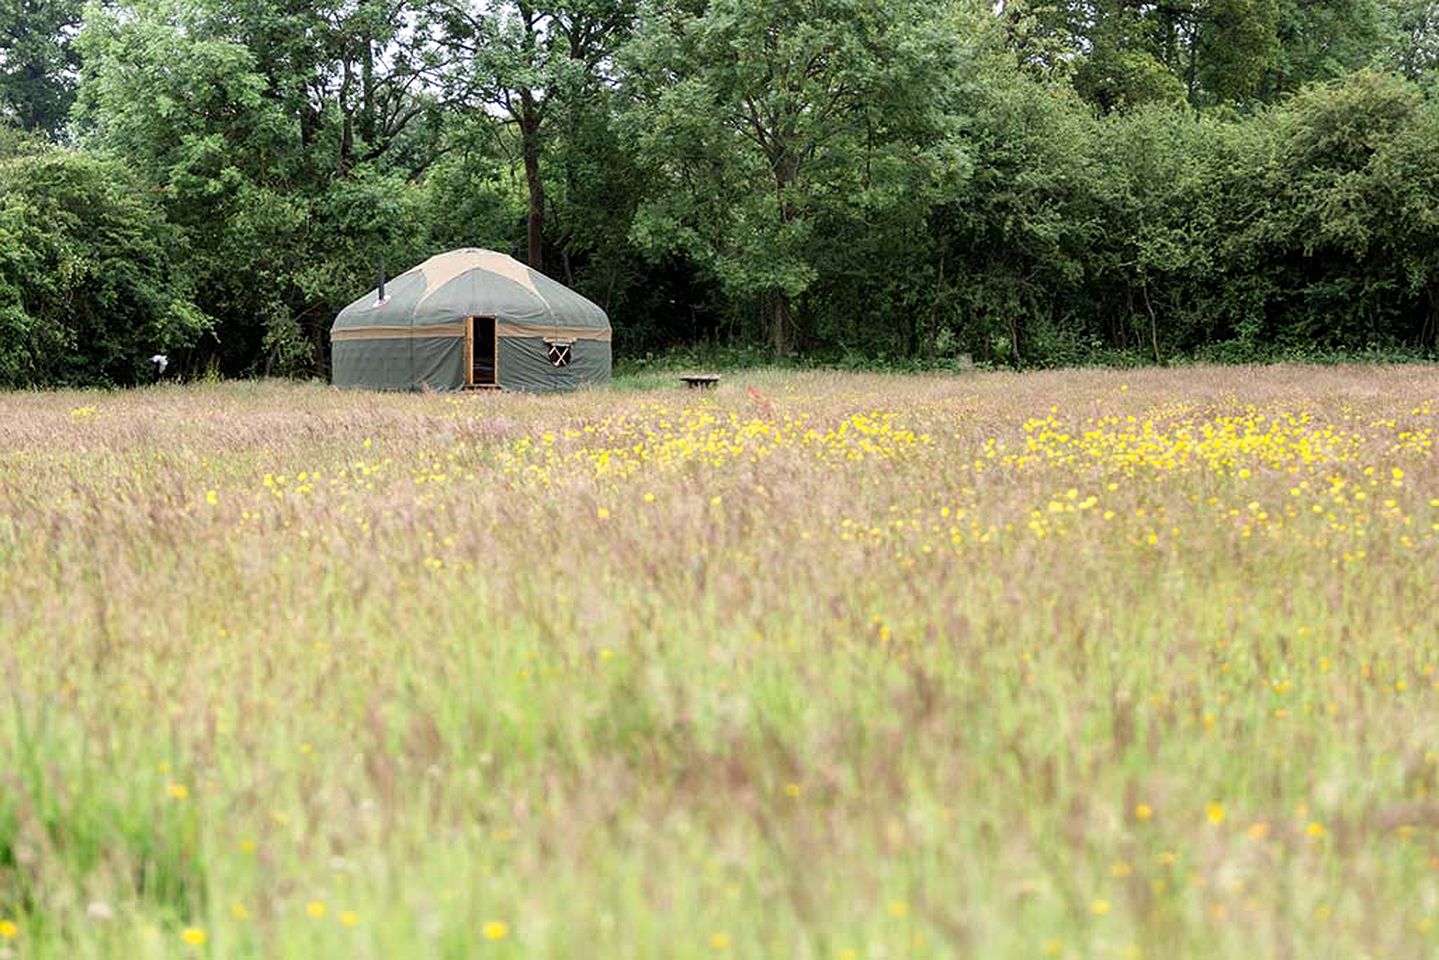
point(470, 350)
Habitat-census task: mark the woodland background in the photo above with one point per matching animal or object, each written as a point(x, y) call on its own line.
point(851, 182)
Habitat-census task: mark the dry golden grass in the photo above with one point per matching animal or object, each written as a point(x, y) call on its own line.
point(1094, 664)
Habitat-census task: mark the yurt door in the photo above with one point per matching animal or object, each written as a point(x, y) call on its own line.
point(482, 351)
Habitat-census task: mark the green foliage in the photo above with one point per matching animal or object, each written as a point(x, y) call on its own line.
point(1323, 41)
point(1161, 231)
point(276, 148)
point(91, 276)
point(903, 182)
point(528, 62)
point(37, 62)
point(1123, 68)
point(1125, 54)
point(1242, 45)
point(780, 123)
point(1412, 31)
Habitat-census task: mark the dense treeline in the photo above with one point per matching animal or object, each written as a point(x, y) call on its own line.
point(899, 179)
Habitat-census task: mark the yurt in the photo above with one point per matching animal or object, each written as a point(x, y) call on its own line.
point(470, 319)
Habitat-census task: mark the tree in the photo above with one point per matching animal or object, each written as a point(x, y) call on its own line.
point(757, 116)
point(279, 146)
point(1015, 244)
point(1321, 40)
point(193, 116)
point(1413, 30)
point(1127, 53)
point(1356, 185)
point(37, 62)
point(347, 73)
point(89, 282)
point(1236, 50)
point(524, 60)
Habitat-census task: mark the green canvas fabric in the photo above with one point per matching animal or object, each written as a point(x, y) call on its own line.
point(415, 339)
point(434, 363)
point(591, 362)
point(439, 363)
point(525, 365)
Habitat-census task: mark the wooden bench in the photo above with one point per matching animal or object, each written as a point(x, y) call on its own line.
point(700, 381)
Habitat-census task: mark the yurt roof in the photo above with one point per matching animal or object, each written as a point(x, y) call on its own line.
point(449, 287)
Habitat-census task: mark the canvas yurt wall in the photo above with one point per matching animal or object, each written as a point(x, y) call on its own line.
point(471, 318)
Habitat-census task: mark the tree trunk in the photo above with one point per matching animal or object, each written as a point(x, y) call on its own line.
point(347, 143)
point(530, 148)
point(347, 125)
point(1191, 74)
point(368, 112)
point(1429, 333)
point(786, 171)
point(1153, 322)
point(781, 323)
point(931, 333)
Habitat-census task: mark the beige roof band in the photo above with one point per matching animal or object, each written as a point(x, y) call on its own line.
point(400, 332)
point(457, 330)
point(552, 331)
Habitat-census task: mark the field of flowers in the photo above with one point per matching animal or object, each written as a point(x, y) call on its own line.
point(1084, 664)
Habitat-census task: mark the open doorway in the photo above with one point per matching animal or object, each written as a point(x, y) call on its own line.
point(482, 350)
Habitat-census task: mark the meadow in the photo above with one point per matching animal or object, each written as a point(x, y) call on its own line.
point(1075, 664)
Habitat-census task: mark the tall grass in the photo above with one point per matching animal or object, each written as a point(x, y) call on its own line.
point(1089, 664)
